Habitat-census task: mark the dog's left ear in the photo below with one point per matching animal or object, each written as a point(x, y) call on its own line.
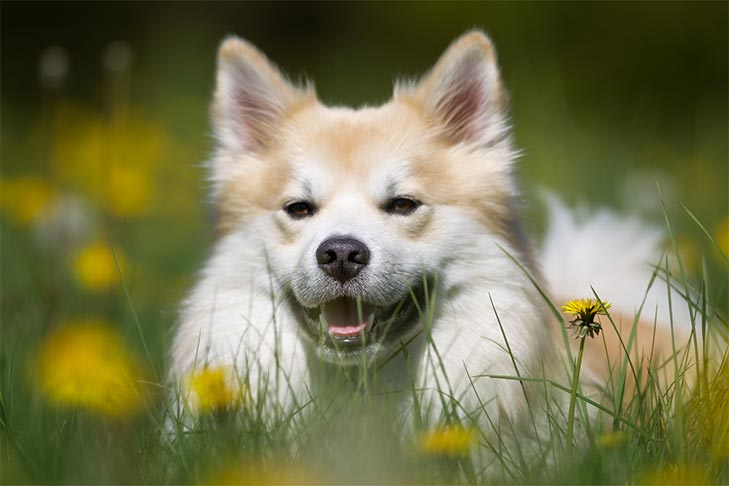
point(251, 97)
point(463, 93)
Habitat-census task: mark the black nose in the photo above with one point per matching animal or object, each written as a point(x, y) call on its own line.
point(342, 258)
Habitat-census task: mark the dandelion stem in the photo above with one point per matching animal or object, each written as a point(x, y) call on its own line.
point(573, 398)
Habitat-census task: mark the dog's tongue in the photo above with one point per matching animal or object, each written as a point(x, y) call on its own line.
point(343, 319)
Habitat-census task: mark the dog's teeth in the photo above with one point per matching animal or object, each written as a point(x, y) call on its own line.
point(370, 320)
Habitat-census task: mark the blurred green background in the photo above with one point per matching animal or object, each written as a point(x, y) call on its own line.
point(105, 127)
point(607, 100)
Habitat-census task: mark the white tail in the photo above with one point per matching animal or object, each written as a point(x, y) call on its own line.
point(614, 254)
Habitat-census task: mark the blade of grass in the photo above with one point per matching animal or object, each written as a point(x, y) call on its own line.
point(516, 370)
point(133, 310)
point(557, 314)
point(706, 232)
point(563, 388)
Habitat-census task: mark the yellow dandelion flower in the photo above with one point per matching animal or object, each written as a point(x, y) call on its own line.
point(586, 308)
point(210, 390)
point(95, 267)
point(85, 364)
point(451, 440)
point(25, 198)
point(585, 311)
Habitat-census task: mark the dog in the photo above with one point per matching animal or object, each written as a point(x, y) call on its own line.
point(390, 238)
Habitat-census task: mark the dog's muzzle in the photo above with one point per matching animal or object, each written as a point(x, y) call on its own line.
point(346, 329)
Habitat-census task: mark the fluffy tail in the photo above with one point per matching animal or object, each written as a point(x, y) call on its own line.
point(615, 255)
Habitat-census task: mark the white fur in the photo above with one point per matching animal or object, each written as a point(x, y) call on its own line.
point(613, 254)
point(239, 315)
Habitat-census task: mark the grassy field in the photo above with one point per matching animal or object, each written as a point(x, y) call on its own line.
point(104, 224)
point(86, 402)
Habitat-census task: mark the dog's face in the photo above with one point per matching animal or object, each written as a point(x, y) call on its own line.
point(360, 210)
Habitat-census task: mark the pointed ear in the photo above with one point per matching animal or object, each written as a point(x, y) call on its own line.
point(251, 96)
point(463, 93)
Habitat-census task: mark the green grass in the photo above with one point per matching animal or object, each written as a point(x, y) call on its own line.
point(355, 435)
point(661, 117)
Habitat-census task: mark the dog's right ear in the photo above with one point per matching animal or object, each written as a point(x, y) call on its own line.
point(251, 96)
point(463, 94)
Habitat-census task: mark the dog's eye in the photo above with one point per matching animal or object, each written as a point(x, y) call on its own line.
point(402, 205)
point(299, 209)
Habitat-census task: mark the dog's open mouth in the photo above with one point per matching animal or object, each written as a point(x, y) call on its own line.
point(345, 326)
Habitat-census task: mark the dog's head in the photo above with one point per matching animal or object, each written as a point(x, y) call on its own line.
point(360, 210)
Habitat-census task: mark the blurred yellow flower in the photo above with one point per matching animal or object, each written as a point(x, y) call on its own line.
point(675, 475)
point(689, 252)
point(25, 198)
point(611, 440)
point(708, 412)
point(722, 236)
point(128, 190)
point(112, 163)
point(450, 440)
point(78, 148)
point(210, 390)
point(276, 474)
point(95, 268)
point(85, 364)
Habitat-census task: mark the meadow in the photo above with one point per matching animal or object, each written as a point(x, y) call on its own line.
point(104, 223)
